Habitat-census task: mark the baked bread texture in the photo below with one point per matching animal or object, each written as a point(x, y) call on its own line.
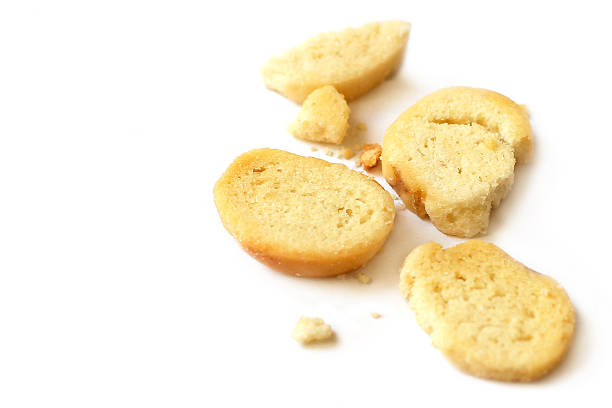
point(311, 329)
point(324, 117)
point(451, 156)
point(487, 313)
point(302, 215)
point(354, 61)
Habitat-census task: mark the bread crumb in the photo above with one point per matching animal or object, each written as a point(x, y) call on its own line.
point(346, 153)
point(344, 276)
point(357, 147)
point(362, 126)
point(329, 152)
point(358, 162)
point(375, 315)
point(401, 206)
point(311, 329)
point(313, 148)
point(363, 278)
point(370, 155)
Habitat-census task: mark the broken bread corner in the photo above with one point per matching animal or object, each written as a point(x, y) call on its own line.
point(324, 117)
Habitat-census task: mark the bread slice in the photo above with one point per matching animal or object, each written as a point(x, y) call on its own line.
point(451, 156)
point(324, 117)
point(353, 61)
point(490, 315)
point(302, 215)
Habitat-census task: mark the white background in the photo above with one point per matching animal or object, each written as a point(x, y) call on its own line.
point(120, 287)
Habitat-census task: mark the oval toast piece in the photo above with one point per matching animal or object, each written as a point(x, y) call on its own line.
point(353, 61)
point(301, 215)
point(487, 313)
point(451, 156)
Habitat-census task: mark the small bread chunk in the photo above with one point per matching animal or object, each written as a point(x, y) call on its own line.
point(370, 155)
point(487, 313)
point(324, 117)
point(311, 329)
point(353, 61)
point(301, 215)
point(451, 156)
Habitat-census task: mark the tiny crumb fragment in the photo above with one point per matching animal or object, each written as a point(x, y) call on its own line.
point(313, 149)
point(370, 155)
point(329, 152)
point(311, 329)
point(375, 315)
point(525, 109)
point(358, 162)
point(346, 153)
point(357, 147)
point(401, 206)
point(363, 278)
point(362, 126)
point(344, 276)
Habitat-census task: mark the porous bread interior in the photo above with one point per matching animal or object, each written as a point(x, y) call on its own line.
point(489, 314)
point(353, 61)
point(497, 113)
point(311, 329)
point(465, 171)
point(451, 156)
point(324, 117)
point(302, 208)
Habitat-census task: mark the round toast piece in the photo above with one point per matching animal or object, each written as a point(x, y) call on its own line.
point(487, 313)
point(353, 61)
point(301, 215)
point(451, 156)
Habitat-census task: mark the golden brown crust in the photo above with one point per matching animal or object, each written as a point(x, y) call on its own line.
point(411, 195)
point(303, 216)
point(319, 268)
point(370, 155)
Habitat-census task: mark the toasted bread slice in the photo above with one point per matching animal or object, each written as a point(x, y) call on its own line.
point(451, 156)
point(324, 117)
point(353, 61)
point(302, 215)
point(490, 315)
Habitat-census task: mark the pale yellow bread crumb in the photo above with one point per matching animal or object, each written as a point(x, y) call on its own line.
point(370, 155)
point(323, 118)
point(311, 329)
point(353, 61)
point(302, 215)
point(451, 156)
point(329, 152)
point(313, 149)
point(363, 278)
point(362, 126)
point(487, 313)
point(346, 153)
point(375, 315)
